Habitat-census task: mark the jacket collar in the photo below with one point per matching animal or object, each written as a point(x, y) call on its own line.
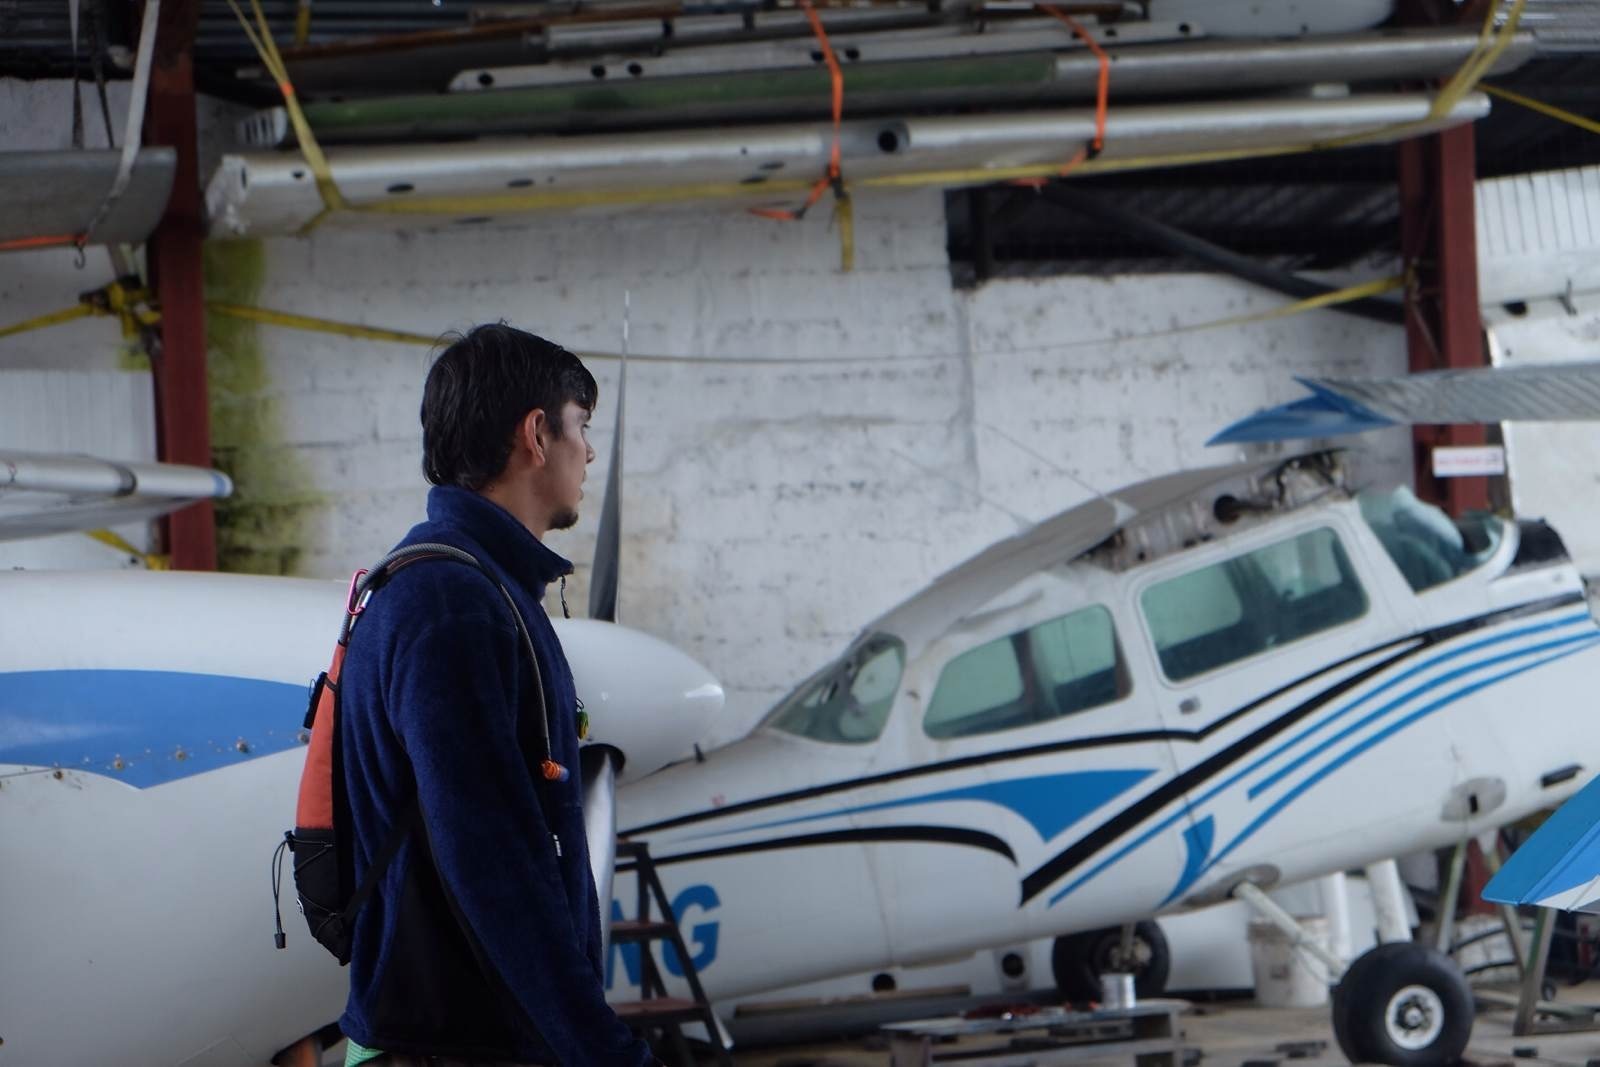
point(513, 547)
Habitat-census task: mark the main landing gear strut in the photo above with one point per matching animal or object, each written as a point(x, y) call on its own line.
point(1401, 1003)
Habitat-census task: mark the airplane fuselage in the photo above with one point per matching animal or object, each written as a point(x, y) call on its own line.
point(891, 813)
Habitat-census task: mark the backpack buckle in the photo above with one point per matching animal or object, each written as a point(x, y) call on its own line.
point(351, 608)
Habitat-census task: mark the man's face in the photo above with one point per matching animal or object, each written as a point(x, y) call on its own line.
point(567, 459)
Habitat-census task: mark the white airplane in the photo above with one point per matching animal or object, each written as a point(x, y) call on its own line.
point(1203, 685)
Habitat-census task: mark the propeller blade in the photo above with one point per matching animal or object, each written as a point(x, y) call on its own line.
point(608, 543)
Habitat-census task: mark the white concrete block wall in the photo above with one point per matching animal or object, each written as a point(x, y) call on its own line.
point(76, 387)
point(771, 508)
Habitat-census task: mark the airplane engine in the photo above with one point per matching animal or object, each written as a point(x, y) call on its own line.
point(151, 742)
point(644, 697)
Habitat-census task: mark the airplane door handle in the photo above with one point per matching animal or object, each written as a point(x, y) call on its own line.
point(1190, 705)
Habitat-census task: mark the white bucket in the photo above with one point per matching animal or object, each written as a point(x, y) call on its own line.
point(1286, 977)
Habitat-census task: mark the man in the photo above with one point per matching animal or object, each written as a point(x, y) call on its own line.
point(482, 942)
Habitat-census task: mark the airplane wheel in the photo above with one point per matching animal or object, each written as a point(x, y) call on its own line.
point(1403, 1004)
point(1078, 960)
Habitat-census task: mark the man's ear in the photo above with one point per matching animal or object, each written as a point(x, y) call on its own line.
point(534, 434)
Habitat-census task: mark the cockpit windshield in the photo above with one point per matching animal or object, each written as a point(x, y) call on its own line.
point(1427, 545)
point(849, 702)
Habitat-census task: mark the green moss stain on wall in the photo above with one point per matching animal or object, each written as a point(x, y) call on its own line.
point(265, 526)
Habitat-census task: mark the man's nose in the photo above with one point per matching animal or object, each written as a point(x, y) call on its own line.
point(590, 450)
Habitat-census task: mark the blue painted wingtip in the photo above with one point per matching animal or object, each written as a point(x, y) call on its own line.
point(1562, 855)
point(1324, 413)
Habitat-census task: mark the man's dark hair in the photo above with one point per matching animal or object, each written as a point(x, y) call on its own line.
point(479, 390)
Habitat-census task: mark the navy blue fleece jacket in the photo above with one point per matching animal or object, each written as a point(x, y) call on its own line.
point(483, 940)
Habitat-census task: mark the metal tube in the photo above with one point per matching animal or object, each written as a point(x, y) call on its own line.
point(1446, 918)
point(1229, 66)
point(1272, 912)
point(598, 765)
point(1388, 901)
point(1335, 895)
point(269, 192)
point(1544, 929)
point(1187, 244)
point(875, 87)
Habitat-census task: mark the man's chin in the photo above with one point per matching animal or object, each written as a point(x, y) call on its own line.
point(564, 520)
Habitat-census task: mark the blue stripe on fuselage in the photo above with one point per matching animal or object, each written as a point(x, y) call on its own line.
point(1049, 803)
point(1255, 765)
point(89, 719)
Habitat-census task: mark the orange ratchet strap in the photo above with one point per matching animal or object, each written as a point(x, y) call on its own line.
point(1102, 96)
point(832, 177)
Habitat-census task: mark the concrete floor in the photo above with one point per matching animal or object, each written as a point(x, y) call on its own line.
point(1234, 1033)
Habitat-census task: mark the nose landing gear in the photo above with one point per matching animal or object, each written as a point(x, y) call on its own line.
point(1401, 1003)
point(1404, 1004)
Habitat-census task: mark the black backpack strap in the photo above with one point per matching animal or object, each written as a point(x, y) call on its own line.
point(370, 581)
point(381, 860)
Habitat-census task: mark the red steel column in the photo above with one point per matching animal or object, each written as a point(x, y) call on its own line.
point(183, 412)
point(1444, 327)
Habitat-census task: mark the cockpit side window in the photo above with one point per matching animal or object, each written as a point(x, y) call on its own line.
point(849, 703)
point(1056, 668)
point(1427, 545)
point(1227, 611)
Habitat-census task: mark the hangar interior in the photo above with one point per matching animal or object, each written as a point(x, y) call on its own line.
point(926, 311)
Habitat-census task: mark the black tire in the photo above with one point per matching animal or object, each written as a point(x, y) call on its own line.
point(1403, 1004)
point(1078, 960)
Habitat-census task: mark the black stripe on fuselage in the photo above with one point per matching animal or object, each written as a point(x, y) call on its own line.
point(1422, 641)
point(877, 834)
point(1131, 816)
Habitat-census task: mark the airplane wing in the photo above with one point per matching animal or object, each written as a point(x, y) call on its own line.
point(50, 494)
point(1559, 866)
point(1534, 393)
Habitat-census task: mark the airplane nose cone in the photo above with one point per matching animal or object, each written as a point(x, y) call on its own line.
point(645, 697)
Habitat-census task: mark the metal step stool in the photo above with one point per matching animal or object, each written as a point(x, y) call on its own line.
point(658, 1016)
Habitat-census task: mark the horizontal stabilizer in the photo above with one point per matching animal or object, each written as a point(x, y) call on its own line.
point(50, 494)
point(1564, 392)
point(1559, 866)
point(1325, 413)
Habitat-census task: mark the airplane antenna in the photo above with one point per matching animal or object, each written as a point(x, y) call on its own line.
point(993, 503)
point(1046, 460)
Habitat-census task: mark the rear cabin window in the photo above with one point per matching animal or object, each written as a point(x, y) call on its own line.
point(849, 703)
point(1225, 612)
point(1057, 668)
point(1428, 546)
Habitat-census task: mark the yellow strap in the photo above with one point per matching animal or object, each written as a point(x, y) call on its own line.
point(1338, 296)
point(302, 24)
point(151, 561)
point(267, 49)
point(844, 214)
point(1491, 45)
point(847, 236)
point(53, 319)
point(307, 322)
point(1542, 108)
point(130, 304)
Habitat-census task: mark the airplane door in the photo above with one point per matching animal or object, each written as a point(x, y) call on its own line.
point(1018, 741)
point(1273, 652)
